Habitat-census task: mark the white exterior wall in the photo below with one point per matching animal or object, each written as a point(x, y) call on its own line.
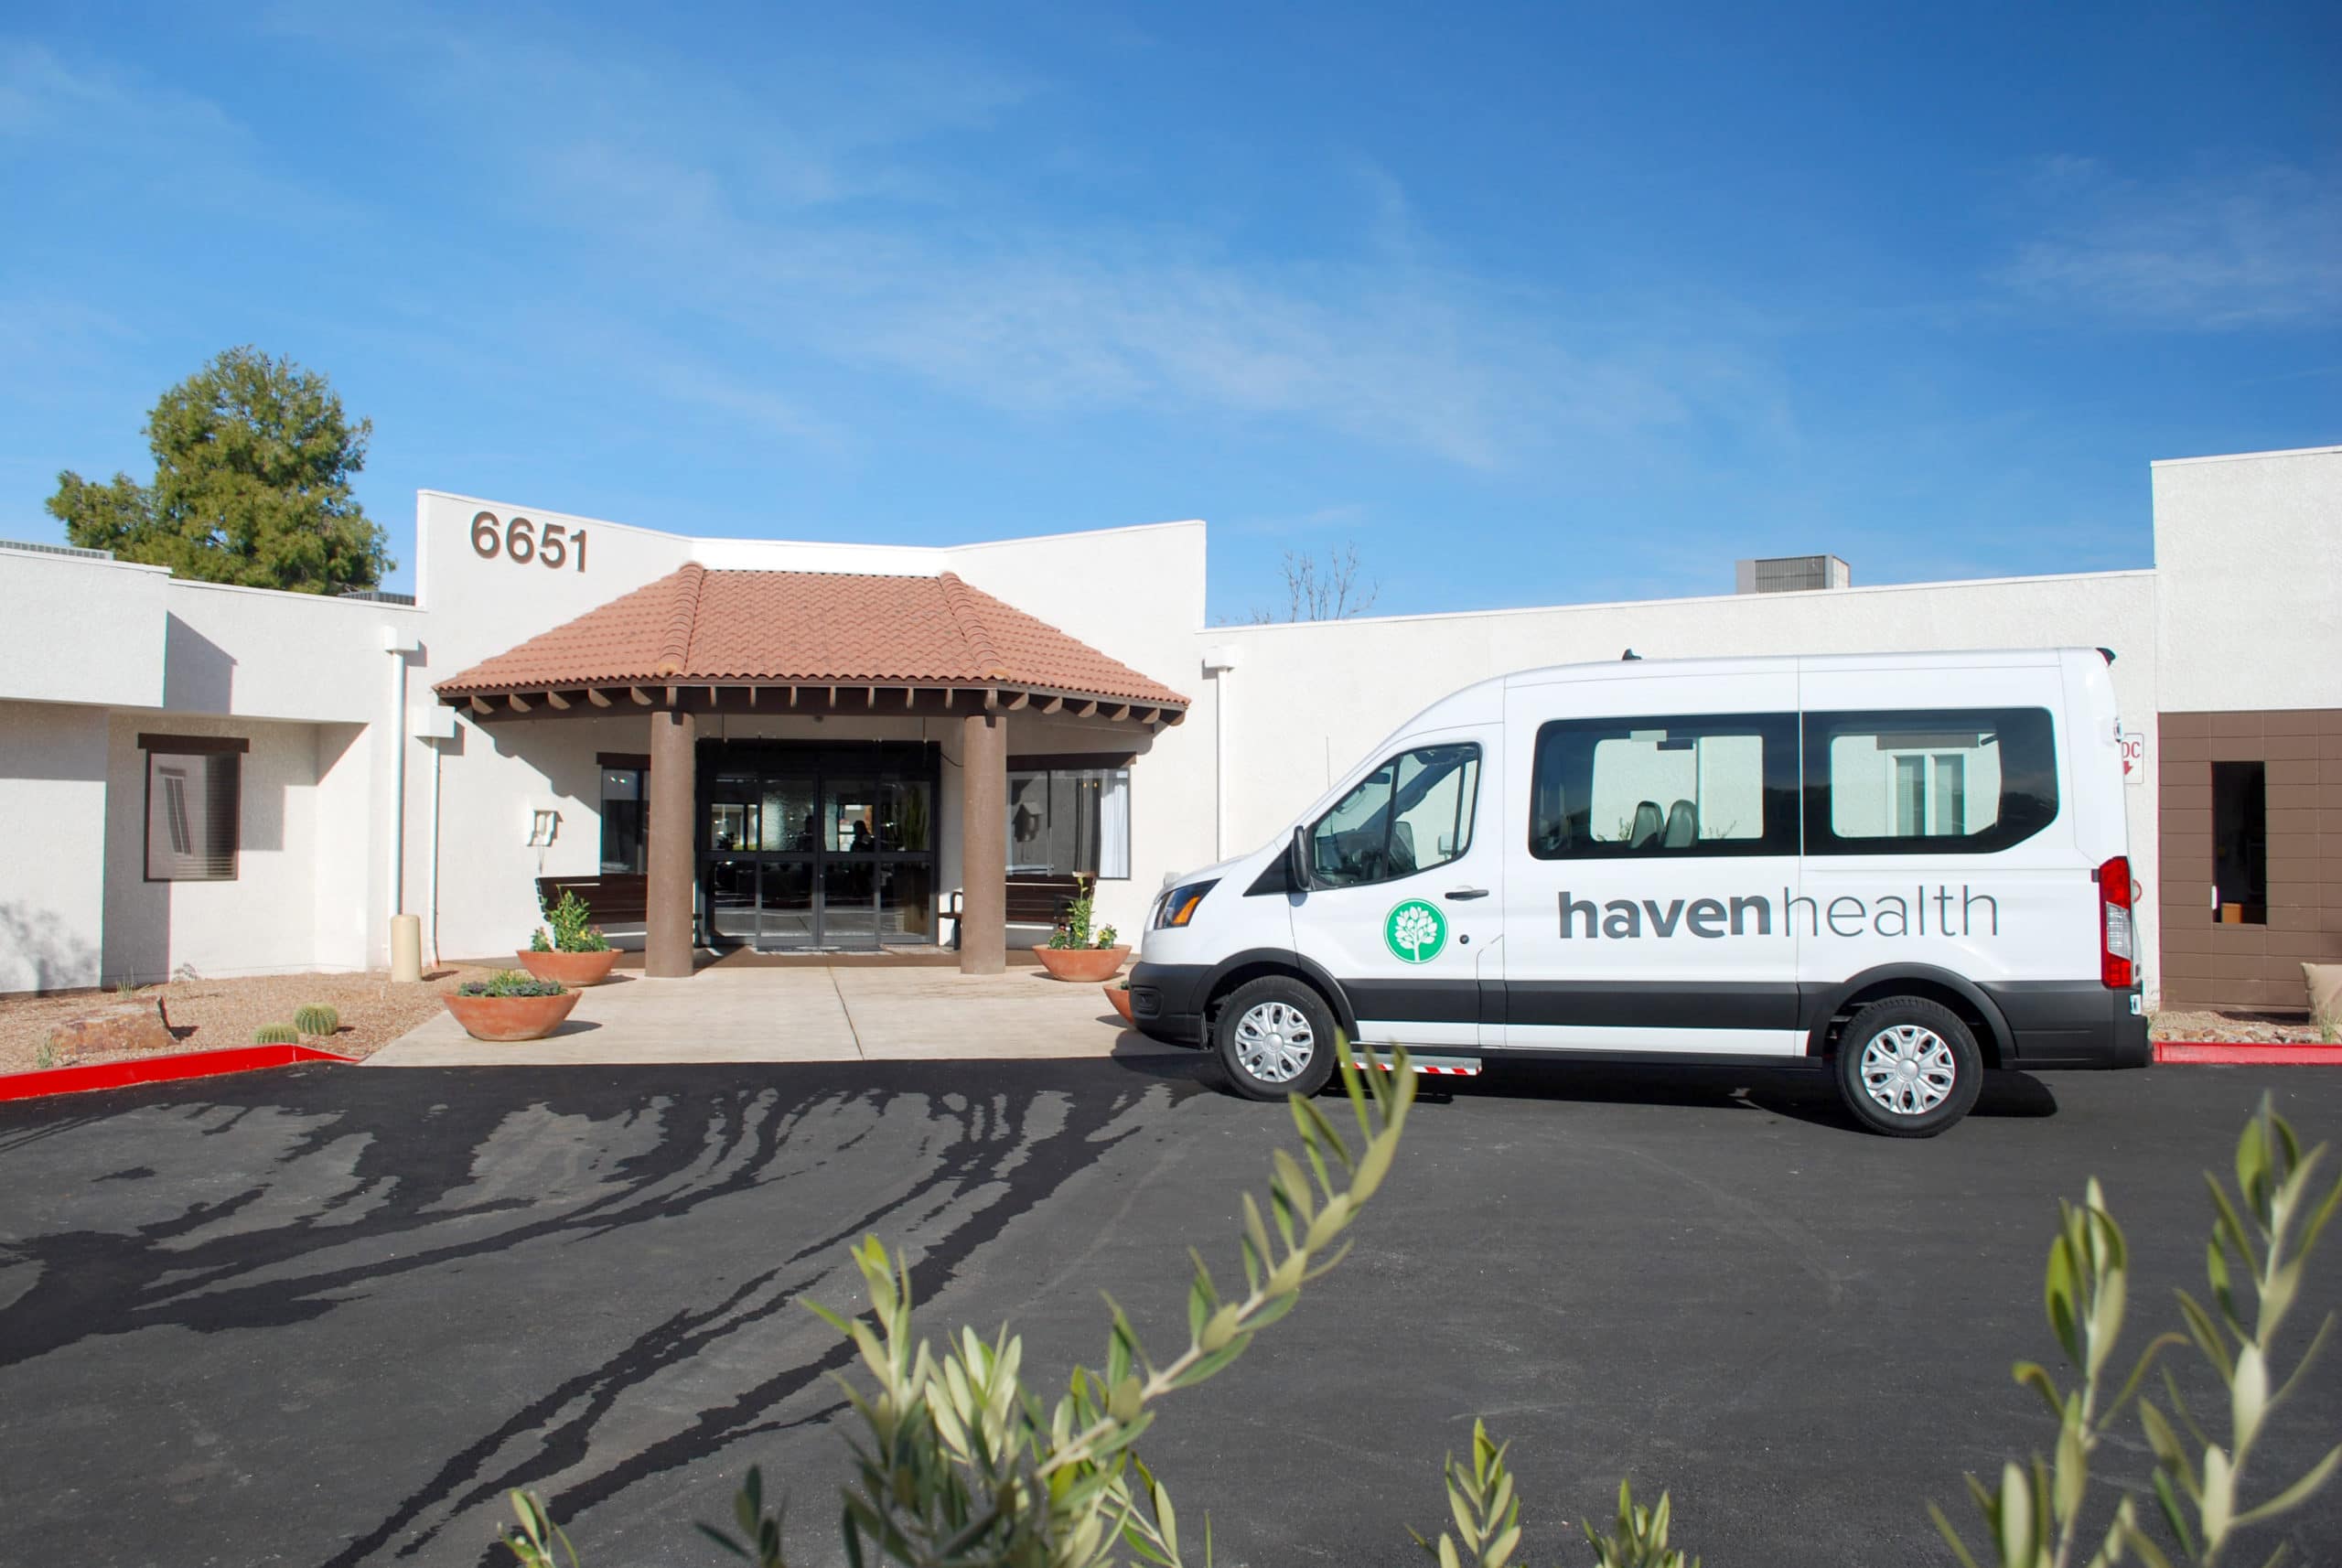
point(2248, 551)
point(2240, 613)
point(76, 629)
point(298, 897)
point(52, 885)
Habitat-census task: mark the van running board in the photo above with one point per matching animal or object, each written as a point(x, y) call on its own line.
point(1435, 1065)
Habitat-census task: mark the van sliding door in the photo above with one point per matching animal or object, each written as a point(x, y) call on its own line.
point(1651, 873)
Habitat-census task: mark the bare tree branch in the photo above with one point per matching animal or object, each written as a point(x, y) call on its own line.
point(1314, 592)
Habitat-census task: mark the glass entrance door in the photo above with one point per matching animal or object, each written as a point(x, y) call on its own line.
point(816, 848)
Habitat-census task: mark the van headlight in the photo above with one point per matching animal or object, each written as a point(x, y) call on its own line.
point(1177, 906)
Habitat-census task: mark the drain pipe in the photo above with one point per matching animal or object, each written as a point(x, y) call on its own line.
point(431, 866)
point(1218, 662)
point(398, 642)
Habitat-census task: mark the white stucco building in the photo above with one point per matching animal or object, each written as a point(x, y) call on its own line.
point(871, 745)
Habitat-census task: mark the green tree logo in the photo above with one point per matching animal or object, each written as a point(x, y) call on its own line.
point(1415, 931)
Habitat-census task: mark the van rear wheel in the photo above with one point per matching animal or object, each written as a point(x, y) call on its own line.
point(1909, 1067)
point(1274, 1037)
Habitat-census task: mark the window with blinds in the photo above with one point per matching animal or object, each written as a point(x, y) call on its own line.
point(193, 801)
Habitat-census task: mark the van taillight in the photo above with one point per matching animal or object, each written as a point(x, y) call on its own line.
point(2117, 950)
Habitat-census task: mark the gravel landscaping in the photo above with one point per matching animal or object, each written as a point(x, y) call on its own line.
point(212, 1015)
point(2229, 1029)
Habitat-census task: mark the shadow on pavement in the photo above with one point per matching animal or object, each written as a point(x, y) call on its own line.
point(1803, 1094)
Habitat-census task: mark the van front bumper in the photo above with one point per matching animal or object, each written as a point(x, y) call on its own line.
point(1167, 1001)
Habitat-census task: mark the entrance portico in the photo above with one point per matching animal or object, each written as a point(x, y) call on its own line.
point(830, 836)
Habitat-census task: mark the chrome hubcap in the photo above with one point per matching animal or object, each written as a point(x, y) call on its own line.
point(1908, 1069)
point(1275, 1041)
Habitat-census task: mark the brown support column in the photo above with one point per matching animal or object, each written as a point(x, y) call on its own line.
point(674, 788)
point(983, 844)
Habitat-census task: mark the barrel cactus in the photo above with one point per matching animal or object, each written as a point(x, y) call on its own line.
point(316, 1018)
point(276, 1034)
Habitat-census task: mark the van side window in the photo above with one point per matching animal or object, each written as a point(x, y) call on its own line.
point(1965, 780)
point(1715, 784)
point(1409, 814)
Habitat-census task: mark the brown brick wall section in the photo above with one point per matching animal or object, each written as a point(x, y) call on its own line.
point(2251, 968)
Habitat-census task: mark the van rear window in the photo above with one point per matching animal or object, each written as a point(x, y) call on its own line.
point(1957, 780)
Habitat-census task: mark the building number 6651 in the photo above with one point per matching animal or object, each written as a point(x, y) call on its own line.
point(521, 542)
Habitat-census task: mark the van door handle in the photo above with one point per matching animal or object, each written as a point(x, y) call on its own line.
point(1462, 892)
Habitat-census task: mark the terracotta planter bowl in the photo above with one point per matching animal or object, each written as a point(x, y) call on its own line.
point(1120, 999)
point(572, 969)
point(510, 1017)
point(1082, 963)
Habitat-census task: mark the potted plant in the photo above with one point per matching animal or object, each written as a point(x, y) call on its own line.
point(1073, 951)
point(1119, 994)
point(511, 1006)
point(575, 953)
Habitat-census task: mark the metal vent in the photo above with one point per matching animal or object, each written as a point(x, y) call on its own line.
point(1791, 574)
point(56, 548)
point(379, 596)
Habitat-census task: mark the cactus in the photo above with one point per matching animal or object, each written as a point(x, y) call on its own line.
point(276, 1034)
point(316, 1018)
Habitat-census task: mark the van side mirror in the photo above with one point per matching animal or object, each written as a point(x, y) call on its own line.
point(1296, 861)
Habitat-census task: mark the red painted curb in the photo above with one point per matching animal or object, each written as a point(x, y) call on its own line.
point(2200, 1053)
point(158, 1069)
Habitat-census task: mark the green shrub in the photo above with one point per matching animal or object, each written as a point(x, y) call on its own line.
point(276, 1034)
point(1074, 930)
point(539, 941)
point(956, 1463)
point(510, 983)
point(573, 930)
point(315, 1018)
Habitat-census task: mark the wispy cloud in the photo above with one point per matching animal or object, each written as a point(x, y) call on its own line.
point(849, 217)
point(2227, 248)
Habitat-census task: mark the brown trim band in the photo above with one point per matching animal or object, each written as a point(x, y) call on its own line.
point(1042, 761)
point(194, 744)
point(639, 760)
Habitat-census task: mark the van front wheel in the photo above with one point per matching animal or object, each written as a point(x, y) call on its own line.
point(1909, 1067)
point(1274, 1037)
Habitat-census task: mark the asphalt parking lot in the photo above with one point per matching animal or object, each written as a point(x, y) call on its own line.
point(327, 1317)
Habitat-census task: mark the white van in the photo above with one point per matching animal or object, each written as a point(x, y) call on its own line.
point(1907, 867)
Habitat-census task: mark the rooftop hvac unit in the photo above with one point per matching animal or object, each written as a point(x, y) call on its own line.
point(1791, 574)
point(56, 548)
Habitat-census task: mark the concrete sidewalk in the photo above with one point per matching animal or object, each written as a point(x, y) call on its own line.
point(801, 1014)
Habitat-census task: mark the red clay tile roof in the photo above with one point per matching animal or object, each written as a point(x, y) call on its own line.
point(811, 628)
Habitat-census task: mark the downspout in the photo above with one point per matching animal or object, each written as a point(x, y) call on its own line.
point(398, 644)
point(1218, 662)
point(431, 866)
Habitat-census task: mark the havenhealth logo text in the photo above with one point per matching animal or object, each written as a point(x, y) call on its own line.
point(1958, 914)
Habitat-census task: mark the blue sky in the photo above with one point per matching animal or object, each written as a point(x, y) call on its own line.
point(1535, 304)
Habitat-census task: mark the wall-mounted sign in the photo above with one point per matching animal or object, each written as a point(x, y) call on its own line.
point(521, 542)
point(2135, 755)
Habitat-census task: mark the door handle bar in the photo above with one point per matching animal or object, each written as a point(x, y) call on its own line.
point(1462, 892)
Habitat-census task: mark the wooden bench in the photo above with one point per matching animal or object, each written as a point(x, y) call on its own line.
point(1032, 901)
point(621, 899)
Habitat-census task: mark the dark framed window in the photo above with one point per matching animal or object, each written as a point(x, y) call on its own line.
point(2241, 844)
point(1948, 780)
point(194, 806)
point(1412, 813)
point(1677, 786)
point(1070, 816)
point(624, 805)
